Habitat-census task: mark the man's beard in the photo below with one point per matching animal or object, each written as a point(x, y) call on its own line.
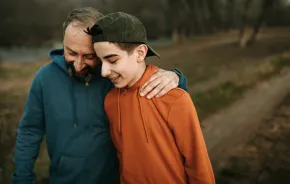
point(85, 75)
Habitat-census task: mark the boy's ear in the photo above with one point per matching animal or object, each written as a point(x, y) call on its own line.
point(141, 52)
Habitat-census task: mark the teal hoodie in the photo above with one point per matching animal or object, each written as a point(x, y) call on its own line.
point(71, 116)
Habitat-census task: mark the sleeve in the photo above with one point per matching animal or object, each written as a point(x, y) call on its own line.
point(183, 121)
point(182, 79)
point(30, 134)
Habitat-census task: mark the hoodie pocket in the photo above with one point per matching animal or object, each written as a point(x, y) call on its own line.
point(70, 169)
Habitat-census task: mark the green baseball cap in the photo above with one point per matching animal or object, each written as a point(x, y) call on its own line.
point(120, 27)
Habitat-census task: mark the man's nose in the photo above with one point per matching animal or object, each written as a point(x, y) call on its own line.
point(79, 62)
point(106, 71)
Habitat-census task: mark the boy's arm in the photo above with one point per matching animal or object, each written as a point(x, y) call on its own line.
point(183, 121)
point(163, 81)
point(29, 135)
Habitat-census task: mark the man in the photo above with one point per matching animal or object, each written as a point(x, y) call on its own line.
point(65, 103)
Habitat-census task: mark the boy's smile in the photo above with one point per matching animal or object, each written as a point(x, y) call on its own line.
point(114, 79)
point(121, 67)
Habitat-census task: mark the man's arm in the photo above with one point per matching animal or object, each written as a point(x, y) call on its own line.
point(182, 79)
point(29, 135)
point(183, 121)
point(163, 81)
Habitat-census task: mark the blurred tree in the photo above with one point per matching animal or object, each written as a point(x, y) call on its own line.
point(250, 37)
point(266, 5)
point(229, 14)
point(31, 22)
point(243, 23)
point(215, 20)
point(34, 22)
point(280, 9)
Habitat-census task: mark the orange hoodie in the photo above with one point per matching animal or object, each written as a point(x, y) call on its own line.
point(159, 141)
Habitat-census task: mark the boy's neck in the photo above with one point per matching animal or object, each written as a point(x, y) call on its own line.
point(139, 75)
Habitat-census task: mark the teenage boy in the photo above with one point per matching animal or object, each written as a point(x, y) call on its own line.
point(158, 140)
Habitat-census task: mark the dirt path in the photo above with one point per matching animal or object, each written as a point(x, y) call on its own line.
point(236, 123)
point(265, 157)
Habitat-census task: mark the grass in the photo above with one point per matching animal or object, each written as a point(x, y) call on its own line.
point(276, 67)
point(281, 62)
point(23, 70)
point(211, 101)
point(11, 104)
point(14, 73)
point(217, 98)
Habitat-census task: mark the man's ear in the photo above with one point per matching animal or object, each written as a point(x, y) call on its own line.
point(141, 52)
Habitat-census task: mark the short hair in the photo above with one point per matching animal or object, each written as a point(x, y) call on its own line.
point(126, 46)
point(85, 17)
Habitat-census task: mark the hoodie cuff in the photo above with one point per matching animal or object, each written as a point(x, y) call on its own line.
point(182, 80)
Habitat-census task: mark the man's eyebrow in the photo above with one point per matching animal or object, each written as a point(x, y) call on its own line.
point(110, 55)
point(69, 49)
point(92, 53)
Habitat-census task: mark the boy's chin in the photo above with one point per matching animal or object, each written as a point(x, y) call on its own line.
point(120, 85)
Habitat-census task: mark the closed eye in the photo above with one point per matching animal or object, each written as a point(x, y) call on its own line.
point(90, 56)
point(72, 53)
point(113, 61)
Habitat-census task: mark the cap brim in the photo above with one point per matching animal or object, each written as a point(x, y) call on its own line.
point(152, 52)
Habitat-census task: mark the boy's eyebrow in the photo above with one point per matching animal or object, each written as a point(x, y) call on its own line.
point(110, 55)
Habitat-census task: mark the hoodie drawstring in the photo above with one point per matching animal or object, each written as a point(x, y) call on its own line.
point(143, 119)
point(119, 112)
point(73, 99)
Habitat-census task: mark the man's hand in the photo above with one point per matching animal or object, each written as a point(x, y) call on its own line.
point(160, 83)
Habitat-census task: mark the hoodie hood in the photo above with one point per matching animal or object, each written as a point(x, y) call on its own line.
point(57, 56)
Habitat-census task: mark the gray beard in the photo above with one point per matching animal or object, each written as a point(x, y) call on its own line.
point(86, 77)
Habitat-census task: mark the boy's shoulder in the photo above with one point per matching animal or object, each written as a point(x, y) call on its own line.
point(169, 99)
point(172, 95)
point(110, 99)
point(113, 92)
point(174, 98)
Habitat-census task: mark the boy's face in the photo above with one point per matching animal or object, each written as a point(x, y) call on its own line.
point(118, 65)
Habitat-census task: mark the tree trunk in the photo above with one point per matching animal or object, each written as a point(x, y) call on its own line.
point(175, 35)
point(244, 20)
point(256, 27)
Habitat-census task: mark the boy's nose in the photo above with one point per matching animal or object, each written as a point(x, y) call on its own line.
point(106, 71)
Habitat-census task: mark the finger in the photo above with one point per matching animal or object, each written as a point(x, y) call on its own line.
point(156, 90)
point(150, 86)
point(165, 90)
point(152, 78)
point(160, 70)
point(175, 83)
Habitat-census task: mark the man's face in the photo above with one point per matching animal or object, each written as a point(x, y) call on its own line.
point(78, 49)
point(118, 65)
